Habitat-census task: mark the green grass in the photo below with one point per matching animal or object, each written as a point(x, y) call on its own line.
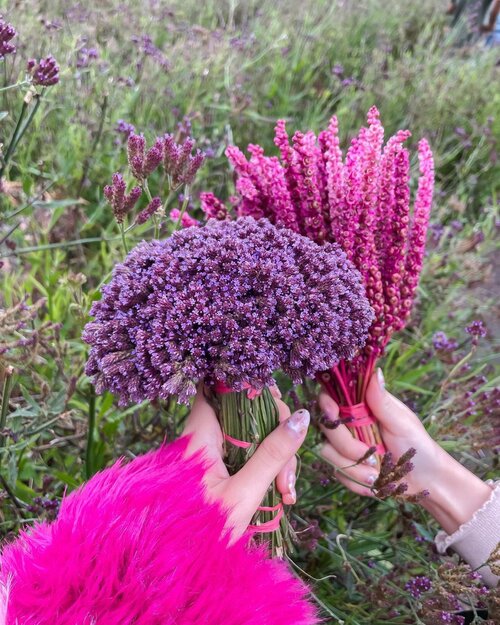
point(234, 68)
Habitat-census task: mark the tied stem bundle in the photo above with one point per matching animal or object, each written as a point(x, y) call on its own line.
point(247, 417)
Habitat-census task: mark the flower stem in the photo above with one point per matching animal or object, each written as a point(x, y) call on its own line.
point(183, 208)
point(124, 239)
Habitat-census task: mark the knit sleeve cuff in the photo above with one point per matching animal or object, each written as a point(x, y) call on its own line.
point(476, 539)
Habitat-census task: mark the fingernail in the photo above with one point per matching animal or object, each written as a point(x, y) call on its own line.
point(371, 460)
point(380, 378)
point(372, 479)
point(299, 421)
point(291, 486)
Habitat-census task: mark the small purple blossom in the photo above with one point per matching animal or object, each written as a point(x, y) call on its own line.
point(442, 343)
point(7, 33)
point(418, 585)
point(120, 202)
point(476, 329)
point(124, 128)
point(149, 211)
point(44, 73)
point(232, 301)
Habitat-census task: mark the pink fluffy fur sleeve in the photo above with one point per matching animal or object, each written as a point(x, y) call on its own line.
point(139, 545)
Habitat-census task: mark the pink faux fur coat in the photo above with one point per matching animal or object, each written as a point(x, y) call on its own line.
point(138, 545)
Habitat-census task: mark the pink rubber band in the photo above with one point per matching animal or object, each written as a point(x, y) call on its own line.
point(358, 415)
point(236, 442)
point(273, 524)
point(222, 389)
point(268, 526)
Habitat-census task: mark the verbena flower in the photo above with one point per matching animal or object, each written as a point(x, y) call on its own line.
point(121, 202)
point(7, 33)
point(45, 72)
point(418, 585)
point(442, 343)
point(233, 301)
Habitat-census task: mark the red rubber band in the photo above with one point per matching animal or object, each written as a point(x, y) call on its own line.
point(268, 526)
point(358, 415)
point(236, 442)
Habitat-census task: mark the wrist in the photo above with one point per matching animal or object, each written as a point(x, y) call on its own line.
point(455, 493)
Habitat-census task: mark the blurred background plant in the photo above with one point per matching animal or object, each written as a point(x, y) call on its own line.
point(223, 72)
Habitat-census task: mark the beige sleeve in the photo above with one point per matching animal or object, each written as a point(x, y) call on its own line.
point(475, 540)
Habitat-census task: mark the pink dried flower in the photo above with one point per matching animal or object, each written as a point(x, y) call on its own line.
point(213, 207)
point(186, 221)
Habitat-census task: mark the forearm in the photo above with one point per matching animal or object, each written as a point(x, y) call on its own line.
point(455, 495)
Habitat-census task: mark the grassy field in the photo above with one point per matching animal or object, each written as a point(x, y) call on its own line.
point(225, 71)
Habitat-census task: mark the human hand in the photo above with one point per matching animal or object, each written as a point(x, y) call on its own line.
point(242, 493)
point(454, 492)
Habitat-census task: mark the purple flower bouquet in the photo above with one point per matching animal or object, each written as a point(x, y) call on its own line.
point(361, 203)
point(226, 305)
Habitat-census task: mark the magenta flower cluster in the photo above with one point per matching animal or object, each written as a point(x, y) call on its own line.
point(233, 301)
point(44, 72)
point(361, 201)
point(7, 33)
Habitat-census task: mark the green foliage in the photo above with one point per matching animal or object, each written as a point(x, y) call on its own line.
point(234, 68)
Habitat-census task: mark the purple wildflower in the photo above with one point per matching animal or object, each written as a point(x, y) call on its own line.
point(442, 343)
point(179, 164)
point(418, 585)
point(233, 301)
point(44, 73)
point(124, 128)
point(149, 211)
point(120, 202)
point(476, 329)
point(7, 33)
point(213, 207)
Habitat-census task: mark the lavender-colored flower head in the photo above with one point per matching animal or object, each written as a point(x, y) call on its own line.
point(233, 301)
point(124, 128)
point(44, 73)
point(179, 164)
point(361, 202)
point(121, 202)
point(418, 585)
point(7, 33)
point(143, 162)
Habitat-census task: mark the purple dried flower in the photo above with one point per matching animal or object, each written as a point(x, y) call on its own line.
point(232, 301)
point(7, 33)
point(45, 73)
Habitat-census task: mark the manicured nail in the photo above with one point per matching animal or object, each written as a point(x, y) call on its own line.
point(299, 421)
point(371, 460)
point(291, 486)
point(372, 479)
point(380, 378)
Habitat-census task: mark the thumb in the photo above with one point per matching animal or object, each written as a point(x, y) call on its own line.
point(389, 410)
point(253, 480)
